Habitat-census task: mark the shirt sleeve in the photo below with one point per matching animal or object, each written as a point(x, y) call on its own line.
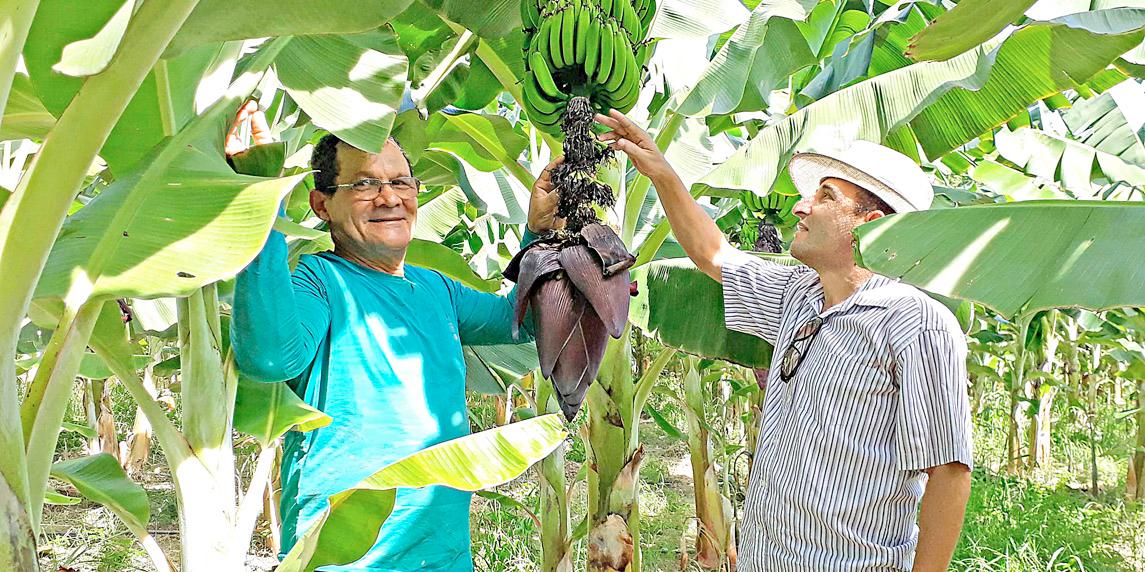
point(278, 319)
point(754, 290)
point(933, 422)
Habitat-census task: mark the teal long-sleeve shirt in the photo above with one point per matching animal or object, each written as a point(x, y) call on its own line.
point(382, 356)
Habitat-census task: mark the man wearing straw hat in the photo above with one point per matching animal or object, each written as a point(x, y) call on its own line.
point(864, 454)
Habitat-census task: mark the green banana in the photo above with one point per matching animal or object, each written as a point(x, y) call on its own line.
point(541, 42)
point(544, 77)
point(568, 35)
point(536, 98)
point(607, 46)
point(621, 48)
point(628, 20)
point(646, 16)
point(629, 91)
point(583, 23)
point(555, 40)
point(606, 8)
point(592, 47)
point(530, 14)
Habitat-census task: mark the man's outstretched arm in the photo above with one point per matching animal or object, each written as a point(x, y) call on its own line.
point(696, 232)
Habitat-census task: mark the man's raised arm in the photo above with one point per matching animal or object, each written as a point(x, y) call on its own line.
point(694, 229)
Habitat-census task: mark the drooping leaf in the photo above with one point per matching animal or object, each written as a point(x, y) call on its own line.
point(489, 369)
point(350, 525)
point(487, 142)
point(968, 24)
point(266, 411)
point(1071, 163)
point(760, 55)
point(100, 478)
point(439, 257)
point(490, 19)
point(1003, 257)
point(265, 160)
point(90, 56)
point(24, 116)
point(1111, 122)
point(872, 109)
point(156, 231)
point(215, 21)
point(165, 101)
point(684, 308)
point(53, 497)
point(350, 85)
point(1030, 66)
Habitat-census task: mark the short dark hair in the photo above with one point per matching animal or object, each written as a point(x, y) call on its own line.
point(866, 202)
point(324, 161)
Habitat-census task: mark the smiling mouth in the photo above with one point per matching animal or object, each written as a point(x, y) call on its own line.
point(387, 219)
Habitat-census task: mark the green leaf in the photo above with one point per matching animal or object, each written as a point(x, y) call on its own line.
point(1030, 66)
point(968, 24)
point(1005, 79)
point(349, 527)
point(215, 21)
point(1103, 122)
point(487, 142)
point(264, 160)
point(439, 215)
point(164, 102)
point(1002, 257)
point(669, 429)
point(758, 58)
point(25, 117)
point(489, 369)
point(447, 261)
point(684, 308)
point(155, 231)
point(77, 428)
point(93, 367)
point(266, 411)
point(52, 497)
point(350, 85)
point(91, 56)
point(1071, 163)
point(100, 478)
point(489, 19)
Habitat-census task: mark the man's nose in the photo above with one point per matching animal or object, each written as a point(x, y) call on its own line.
point(802, 208)
point(387, 198)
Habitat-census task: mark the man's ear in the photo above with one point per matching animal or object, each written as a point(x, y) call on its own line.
point(318, 204)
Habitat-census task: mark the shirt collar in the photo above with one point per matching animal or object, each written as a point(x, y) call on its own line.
point(873, 292)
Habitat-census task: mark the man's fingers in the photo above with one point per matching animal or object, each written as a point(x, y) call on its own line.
point(259, 130)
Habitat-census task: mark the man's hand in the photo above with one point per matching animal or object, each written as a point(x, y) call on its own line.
point(259, 130)
point(636, 143)
point(543, 202)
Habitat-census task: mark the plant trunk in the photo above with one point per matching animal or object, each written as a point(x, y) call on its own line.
point(17, 543)
point(1091, 420)
point(32, 215)
point(1017, 388)
point(105, 428)
point(1043, 391)
point(270, 504)
point(713, 511)
point(1138, 464)
point(614, 464)
point(556, 526)
point(48, 397)
point(205, 490)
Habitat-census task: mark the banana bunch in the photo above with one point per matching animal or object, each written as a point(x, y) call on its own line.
point(593, 48)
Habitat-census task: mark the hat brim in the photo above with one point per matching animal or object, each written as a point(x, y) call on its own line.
point(809, 169)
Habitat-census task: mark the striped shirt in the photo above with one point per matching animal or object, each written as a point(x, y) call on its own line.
point(881, 395)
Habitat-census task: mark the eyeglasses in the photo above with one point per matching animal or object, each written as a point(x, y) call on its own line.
point(368, 189)
point(794, 355)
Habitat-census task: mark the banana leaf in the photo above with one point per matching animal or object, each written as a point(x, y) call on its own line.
point(1007, 258)
point(349, 527)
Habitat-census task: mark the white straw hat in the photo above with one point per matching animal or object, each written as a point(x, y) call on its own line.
point(890, 175)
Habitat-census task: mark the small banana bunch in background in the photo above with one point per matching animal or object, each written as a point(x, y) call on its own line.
point(591, 48)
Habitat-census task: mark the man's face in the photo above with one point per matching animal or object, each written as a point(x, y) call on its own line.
point(382, 225)
point(823, 235)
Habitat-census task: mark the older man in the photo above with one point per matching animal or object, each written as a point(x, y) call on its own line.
point(376, 344)
point(866, 406)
